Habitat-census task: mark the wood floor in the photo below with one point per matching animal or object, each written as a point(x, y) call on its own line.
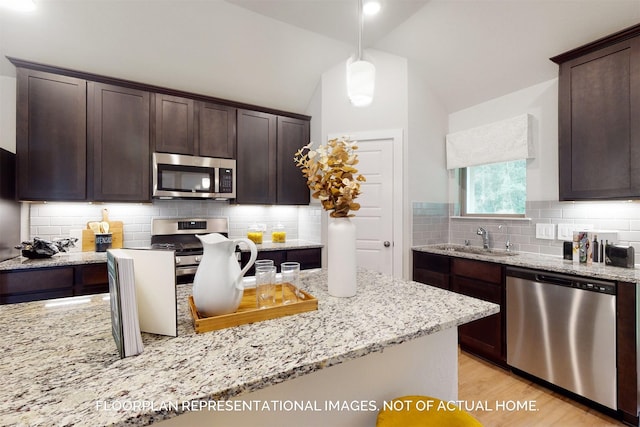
point(481, 385)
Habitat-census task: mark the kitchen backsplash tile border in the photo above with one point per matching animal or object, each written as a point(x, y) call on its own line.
point(430, 221)
point(51, 220)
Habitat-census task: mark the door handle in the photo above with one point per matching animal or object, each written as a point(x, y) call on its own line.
point(387, 243)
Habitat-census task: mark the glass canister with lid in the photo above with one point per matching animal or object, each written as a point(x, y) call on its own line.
point(255, 233)
point(278, 234)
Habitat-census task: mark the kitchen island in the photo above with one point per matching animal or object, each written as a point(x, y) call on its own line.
point(60, 365)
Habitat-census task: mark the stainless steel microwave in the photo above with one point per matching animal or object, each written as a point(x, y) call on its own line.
point(177, 176)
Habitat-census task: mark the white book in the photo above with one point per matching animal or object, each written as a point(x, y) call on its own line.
point(125, 325)
point(153, 292)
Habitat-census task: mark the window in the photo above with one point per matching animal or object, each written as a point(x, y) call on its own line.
point(496, 189)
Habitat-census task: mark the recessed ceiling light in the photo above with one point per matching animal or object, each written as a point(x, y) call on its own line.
point(371, 7)
point(20, 5)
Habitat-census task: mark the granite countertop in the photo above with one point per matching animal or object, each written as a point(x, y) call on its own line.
point(288, 244)
point(536, 261)
point(61, 367)
point(62, 259)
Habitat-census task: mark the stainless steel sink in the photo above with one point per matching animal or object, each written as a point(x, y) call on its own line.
point(474, 250)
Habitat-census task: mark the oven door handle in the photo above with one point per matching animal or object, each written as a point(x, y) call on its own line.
point(183, 271)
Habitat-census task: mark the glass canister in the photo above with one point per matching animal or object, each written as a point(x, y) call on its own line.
point(255, 233)
point(278, 234)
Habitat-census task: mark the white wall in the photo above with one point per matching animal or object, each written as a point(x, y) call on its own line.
point(389, 109)
point(541, 101)
point(426, 153)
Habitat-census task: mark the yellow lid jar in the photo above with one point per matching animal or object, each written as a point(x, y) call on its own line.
point(278, 234)
point(255, 233)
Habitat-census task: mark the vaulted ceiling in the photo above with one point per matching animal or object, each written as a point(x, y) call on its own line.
point(273, 52)
point(469, 51)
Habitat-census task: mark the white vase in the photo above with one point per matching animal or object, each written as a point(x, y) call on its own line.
point(341, 254)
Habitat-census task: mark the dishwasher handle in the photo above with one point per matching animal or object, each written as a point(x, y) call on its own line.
point(554, 280)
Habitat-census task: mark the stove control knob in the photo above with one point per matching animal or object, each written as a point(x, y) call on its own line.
point(178, 260)
point(198, 259)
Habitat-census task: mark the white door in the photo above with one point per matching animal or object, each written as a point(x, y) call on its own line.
point(374, 221)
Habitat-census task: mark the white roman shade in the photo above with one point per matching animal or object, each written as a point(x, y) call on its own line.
point(497, 142)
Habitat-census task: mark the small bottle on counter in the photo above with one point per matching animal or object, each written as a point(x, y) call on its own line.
point(596, 249)
point(278, 234)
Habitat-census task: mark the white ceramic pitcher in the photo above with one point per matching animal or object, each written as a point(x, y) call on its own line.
point(217, 285)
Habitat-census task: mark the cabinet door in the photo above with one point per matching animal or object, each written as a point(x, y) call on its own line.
point(291, 184)
point(174, 124)
point(256, 158)
point(51, 144)
point(483, 336)
point(119, 143)
point(307, 257)
point(599, 130)
point(278, 257)
point(37, 284)
point(91, 279)
point(216, 130)
point(431, 269)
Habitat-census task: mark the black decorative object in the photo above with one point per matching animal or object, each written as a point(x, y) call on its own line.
point(41, 248)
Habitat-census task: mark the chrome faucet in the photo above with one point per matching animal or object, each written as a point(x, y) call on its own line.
point(485, 237)
point(507, 243)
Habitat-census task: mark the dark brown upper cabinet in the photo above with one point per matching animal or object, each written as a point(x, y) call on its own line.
point(196, 128)
point(266, 146)
point(215, 130)
point(291, 186)
point(119, 153)
point(51, 136)
point(174, 124)
point(256, 158)
point(599, 119)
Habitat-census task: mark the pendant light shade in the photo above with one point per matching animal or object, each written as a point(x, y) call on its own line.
point(361, 74)
point(361, 81)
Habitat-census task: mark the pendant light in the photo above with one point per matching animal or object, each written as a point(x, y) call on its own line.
point(361, 74)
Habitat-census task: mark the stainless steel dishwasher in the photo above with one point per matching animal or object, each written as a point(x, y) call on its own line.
point(562, 329)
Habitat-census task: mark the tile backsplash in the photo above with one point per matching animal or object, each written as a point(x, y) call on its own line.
point(431, 219)
point(50, 220)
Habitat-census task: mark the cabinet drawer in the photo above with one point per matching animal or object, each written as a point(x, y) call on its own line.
point(479, 270)
point(477, 289)
point(38, 280)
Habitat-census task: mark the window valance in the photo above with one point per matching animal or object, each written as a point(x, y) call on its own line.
point(501, 141)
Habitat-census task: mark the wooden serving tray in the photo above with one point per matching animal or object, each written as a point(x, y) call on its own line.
point(248, 311)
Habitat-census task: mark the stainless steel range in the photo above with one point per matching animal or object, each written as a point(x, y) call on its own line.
point(179, 234)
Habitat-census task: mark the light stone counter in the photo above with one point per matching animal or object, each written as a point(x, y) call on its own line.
point(60, 259)
point(74, 258)
point(288, 244)
point(541, 262)
point(60, 365)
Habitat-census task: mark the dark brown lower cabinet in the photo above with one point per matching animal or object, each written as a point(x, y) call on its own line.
point(483, 280)
point(627, 352)
point(91, 279)
point(432, 269)
point(52, 282)
point(307, 257)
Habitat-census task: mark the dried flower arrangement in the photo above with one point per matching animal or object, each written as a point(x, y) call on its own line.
point(331, 175)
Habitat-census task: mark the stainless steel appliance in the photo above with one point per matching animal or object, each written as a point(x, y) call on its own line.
point(180, 176)
point(9, 207)
point(179, 234)
point(562, 329)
